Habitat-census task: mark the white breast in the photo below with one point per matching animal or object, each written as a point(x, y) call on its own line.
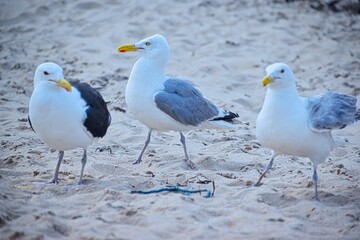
point(282, 125)
point(57, 117)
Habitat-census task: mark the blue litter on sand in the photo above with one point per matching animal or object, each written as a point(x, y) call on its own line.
point(177, 189)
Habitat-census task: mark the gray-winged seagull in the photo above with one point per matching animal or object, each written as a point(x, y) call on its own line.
point(164, 103)
point(293, 125)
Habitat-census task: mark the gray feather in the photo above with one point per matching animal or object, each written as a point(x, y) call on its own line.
point(184, 103)
point(331, 111)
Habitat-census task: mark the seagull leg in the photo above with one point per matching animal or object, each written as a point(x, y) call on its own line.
point(138, 160)
point(268, 167)
point(55, 178)
point(83, 163)
point(315, 179)
point(187, 160)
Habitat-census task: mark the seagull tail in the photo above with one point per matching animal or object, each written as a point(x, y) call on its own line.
point(226, 119)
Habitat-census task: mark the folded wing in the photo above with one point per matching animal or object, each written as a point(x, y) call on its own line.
point(330, 111)
point(183, 102)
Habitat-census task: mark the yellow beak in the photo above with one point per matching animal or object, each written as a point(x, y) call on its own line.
point(127, 48)
point(266, 80)
point(63, 83)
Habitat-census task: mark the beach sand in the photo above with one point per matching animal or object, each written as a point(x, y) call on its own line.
point(224, 47)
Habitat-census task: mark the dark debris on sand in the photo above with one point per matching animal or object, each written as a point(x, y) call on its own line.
point(349, 6)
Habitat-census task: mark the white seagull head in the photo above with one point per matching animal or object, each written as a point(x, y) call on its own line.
point(155, 46)
point(51, 72)
point(279, 75)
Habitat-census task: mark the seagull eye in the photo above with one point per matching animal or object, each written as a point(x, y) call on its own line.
point(282, 70)
point(46, 73)
point(148, 43)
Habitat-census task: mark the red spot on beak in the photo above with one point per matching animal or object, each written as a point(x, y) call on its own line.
point(122, 51)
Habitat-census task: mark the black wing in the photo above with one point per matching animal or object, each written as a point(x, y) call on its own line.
point(98, 117)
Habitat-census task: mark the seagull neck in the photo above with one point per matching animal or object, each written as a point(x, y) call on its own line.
point(283, 93)
point(146, 66)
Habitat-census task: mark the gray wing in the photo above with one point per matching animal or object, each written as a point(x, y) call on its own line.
point(184, 103)
point(331, 111)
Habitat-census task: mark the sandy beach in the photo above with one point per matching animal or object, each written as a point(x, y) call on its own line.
point(224, 47)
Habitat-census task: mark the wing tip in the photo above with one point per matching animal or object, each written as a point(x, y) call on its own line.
point(228, 117)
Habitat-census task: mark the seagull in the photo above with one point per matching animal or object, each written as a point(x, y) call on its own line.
point(293, 125)
point(66, 115)
point(164, 103)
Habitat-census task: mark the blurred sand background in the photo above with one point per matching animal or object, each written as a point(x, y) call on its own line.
point(223, 46)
